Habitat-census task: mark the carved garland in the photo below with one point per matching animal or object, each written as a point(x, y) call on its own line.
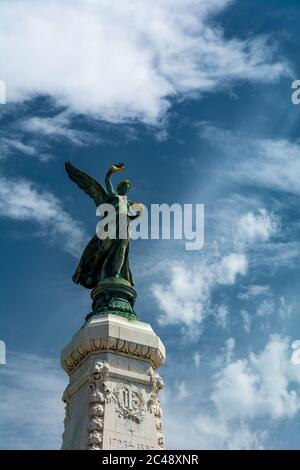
point(66, 400)
point(98, 395)
point(154, 405)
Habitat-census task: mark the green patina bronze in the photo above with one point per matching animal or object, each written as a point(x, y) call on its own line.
point(104, 264)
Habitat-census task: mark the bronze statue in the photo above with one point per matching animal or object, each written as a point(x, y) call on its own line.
point(104, 259)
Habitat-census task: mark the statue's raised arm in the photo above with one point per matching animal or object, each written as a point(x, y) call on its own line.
point(108, 183)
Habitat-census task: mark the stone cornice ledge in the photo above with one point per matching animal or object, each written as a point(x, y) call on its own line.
point(112, 333)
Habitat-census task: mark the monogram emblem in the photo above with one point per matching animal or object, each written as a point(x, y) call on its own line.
point(130, 402)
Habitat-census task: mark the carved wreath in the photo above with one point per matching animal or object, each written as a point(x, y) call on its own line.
point(135, 406)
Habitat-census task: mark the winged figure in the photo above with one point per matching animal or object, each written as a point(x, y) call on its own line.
point(105, 258)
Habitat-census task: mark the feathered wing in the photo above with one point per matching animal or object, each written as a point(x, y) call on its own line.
point(89, 185)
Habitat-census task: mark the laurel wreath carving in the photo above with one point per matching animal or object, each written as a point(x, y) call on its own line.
point(136, 413)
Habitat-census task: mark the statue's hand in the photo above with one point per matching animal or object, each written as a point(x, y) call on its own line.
point(138, 208)
point(116, 167)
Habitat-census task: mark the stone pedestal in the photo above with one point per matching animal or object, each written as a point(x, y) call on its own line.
point(112, 397)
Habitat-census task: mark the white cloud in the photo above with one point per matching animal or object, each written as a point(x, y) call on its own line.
point(214, 433)
point(265, 308)
point(257, 227)
point(285, 308)
point(31, 408)
point(197, 360)
point(246, 320)
point(245, 401)
point(268, 163)
point(265, 304)
point(226, 355)
point(21, 200)
point(221, 314)
point(275, 165)
point(33, 136)
point(253, 291)
point(58, 126)
point(9, 145)
point(238, 240)
point(185, 299)
point(256, 289)
point(229, 349)
point(206, 431)
point(230, 266)
point(182, 392)
point(262, 385)
point(124, 60)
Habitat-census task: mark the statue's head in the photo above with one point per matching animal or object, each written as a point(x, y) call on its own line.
point(123, 187)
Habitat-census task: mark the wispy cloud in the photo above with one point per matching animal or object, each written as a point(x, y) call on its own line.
point(31, 408)
point(36, 136)
point(264, 384)
point(21, 200)
point(257, 227)
point(275, 165)
point(125, 60)
point(221, 313)
point(247, 320)
point(12, 145)
point(185, 297)
point(197, 359)
point(268, 163)
point(253, 291)
point(58, 126)
point(246, 399)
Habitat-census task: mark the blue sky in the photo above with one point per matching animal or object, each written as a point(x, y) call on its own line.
point(195, 97)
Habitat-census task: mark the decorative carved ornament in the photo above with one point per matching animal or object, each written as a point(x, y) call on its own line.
point(108, 344)
point(99, 394)
point(130, 402)
point(66, 400)
point(154, 405)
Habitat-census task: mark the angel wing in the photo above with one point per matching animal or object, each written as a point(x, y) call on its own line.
point(89, 185)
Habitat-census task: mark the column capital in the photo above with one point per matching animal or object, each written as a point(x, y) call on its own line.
point(112, 333)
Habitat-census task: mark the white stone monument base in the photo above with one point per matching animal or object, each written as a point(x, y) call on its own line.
point(112, 397)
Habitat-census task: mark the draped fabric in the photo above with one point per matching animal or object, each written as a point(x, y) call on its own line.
point(101, 259)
